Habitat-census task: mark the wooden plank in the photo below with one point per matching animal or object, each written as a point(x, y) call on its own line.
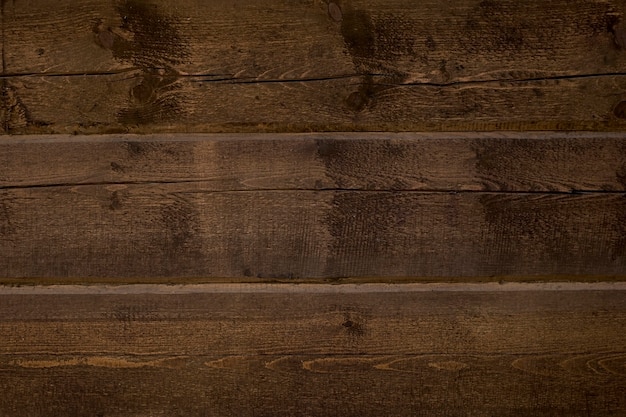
point(101, 66)
point(512, 162)
point(266, 40)
point(315, 206)
point(149, 232)
point(225, 350)
point(132, 102)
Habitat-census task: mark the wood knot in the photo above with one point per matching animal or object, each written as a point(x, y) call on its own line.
point(106, 39)
point(617, 30)
point(142, 92)
point(620, 110)
point(620, 37)
point(357, 101)
point(334, 11)
point(104, 36)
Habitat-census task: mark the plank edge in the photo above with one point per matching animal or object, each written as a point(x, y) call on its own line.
point(308, 288)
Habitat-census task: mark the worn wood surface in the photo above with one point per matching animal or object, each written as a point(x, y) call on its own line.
point(224, 350)
point(161, 231)
point(386, 207)
point(129, 65)
point(514, 162)
point(417, 206)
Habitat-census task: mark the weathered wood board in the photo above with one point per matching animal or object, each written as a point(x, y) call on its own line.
point(321, 350)
point(565, 162)
point(312, 206)
point(264, 65)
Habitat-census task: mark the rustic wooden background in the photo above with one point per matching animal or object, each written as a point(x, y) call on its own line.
point(113, 66)
point(317, 350)
point(313, 208)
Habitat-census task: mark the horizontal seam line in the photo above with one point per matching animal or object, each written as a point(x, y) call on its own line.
point(325, 189)
point(226, 79)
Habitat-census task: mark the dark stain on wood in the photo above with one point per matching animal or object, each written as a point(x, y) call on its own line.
point(117, 168)
point(6, 228)
point(4, 125)
point(116, 202)
point(498, 162)
point(489, 28)
point(138, 149)
point(615, 27)
point(359, 35)
point(620, 174)
point(158, 152)
point(375, 46)
point(515, 222)
point(430, 43)
point(363, 223)
point(354, 323)
point(603, 19)
point(617, 227)
point(395, 39)
point(16, 115)
point(153, 44)
point(180, 224)
point(511, 221)
point(353, 319)
point(619, 36)
point(348, 162)
point(620, 110)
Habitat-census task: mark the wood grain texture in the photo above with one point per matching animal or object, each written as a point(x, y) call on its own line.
point(512, 162)
point(182, 231)
point(269, 40)
point(282, 207)
point(148, 66)
point(349, 351)
point(117, 104)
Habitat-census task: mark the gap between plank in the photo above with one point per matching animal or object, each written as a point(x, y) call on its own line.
point(308, 288)
point(546, 135)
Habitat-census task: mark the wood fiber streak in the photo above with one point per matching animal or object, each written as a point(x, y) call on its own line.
point(88, 104)
point(155, 66)
point(272, 40)
point(314, 354)
point(152, 232)
point(511, 162)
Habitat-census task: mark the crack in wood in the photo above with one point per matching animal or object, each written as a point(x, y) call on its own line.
point(322, 189)
point(223, 78)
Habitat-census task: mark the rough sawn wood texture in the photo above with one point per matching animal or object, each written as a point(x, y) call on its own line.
point(312, 206)
point(103, 66)
point(224, 350)
point(84, 200)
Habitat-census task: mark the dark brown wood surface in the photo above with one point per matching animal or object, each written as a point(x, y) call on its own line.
point(513, 161)
point(261, 65)
point(306, 207)
point(283, 207)
point(321, 350)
